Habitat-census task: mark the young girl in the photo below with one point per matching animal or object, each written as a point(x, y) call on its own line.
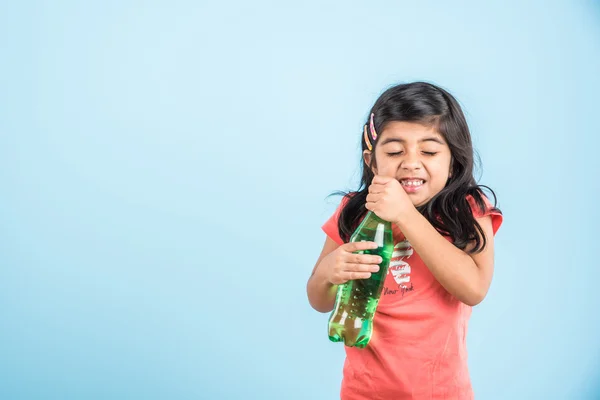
point(418, 174)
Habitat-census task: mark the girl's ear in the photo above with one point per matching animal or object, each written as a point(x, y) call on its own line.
point(367, 156)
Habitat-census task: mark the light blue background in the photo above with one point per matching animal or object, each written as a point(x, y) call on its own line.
point(164, 167)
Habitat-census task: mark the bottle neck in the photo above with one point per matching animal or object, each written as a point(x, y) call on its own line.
point(379, 226)
point(373, 216)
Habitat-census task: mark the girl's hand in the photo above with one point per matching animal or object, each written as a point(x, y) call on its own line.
point(342, 265)
point(388, 200)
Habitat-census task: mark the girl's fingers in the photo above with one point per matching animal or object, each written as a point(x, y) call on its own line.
point(359, 246)
point(374, 188)
point(373, 197)
point(363, 259)
point(350, 268)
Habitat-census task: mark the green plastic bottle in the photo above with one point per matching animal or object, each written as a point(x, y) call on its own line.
point(351, 320)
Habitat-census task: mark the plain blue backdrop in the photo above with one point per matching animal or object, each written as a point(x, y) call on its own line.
point(164, 168)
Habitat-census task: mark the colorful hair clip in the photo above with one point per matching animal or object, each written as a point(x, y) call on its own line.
point(372, 126)
point(367, 139)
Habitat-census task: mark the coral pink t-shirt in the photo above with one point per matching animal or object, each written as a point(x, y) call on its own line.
point(418, 348)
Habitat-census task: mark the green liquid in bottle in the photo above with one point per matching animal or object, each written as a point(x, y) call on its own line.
point(351, 320)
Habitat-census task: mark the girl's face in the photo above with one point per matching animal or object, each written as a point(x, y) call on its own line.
point(416, 155)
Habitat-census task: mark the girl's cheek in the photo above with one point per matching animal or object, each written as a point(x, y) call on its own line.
point(388, 172)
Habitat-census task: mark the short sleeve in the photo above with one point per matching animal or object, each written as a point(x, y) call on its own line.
point(489, 210)
point(330, 227)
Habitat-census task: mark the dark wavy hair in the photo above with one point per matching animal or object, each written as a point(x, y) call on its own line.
point(449, 210)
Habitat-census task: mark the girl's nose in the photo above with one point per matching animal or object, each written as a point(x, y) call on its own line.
point(411, 161)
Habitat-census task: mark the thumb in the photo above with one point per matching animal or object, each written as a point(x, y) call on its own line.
point(382, 180)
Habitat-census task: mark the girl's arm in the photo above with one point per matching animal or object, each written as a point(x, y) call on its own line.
point(466, 276)
point(321, 293)
point(338, 264)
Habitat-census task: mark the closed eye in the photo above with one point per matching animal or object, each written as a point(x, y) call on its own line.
point(427, 153)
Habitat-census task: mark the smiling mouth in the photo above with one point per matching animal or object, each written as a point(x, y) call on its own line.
point(412, 183)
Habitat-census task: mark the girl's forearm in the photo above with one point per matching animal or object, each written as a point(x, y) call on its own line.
point(454, 269)
point(321, 293)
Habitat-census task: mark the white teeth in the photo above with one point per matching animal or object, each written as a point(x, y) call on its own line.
point(412, 183)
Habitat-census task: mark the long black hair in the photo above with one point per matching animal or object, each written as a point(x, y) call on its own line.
point(449, 210)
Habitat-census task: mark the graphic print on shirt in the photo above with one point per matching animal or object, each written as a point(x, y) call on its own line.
point(400, 269)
